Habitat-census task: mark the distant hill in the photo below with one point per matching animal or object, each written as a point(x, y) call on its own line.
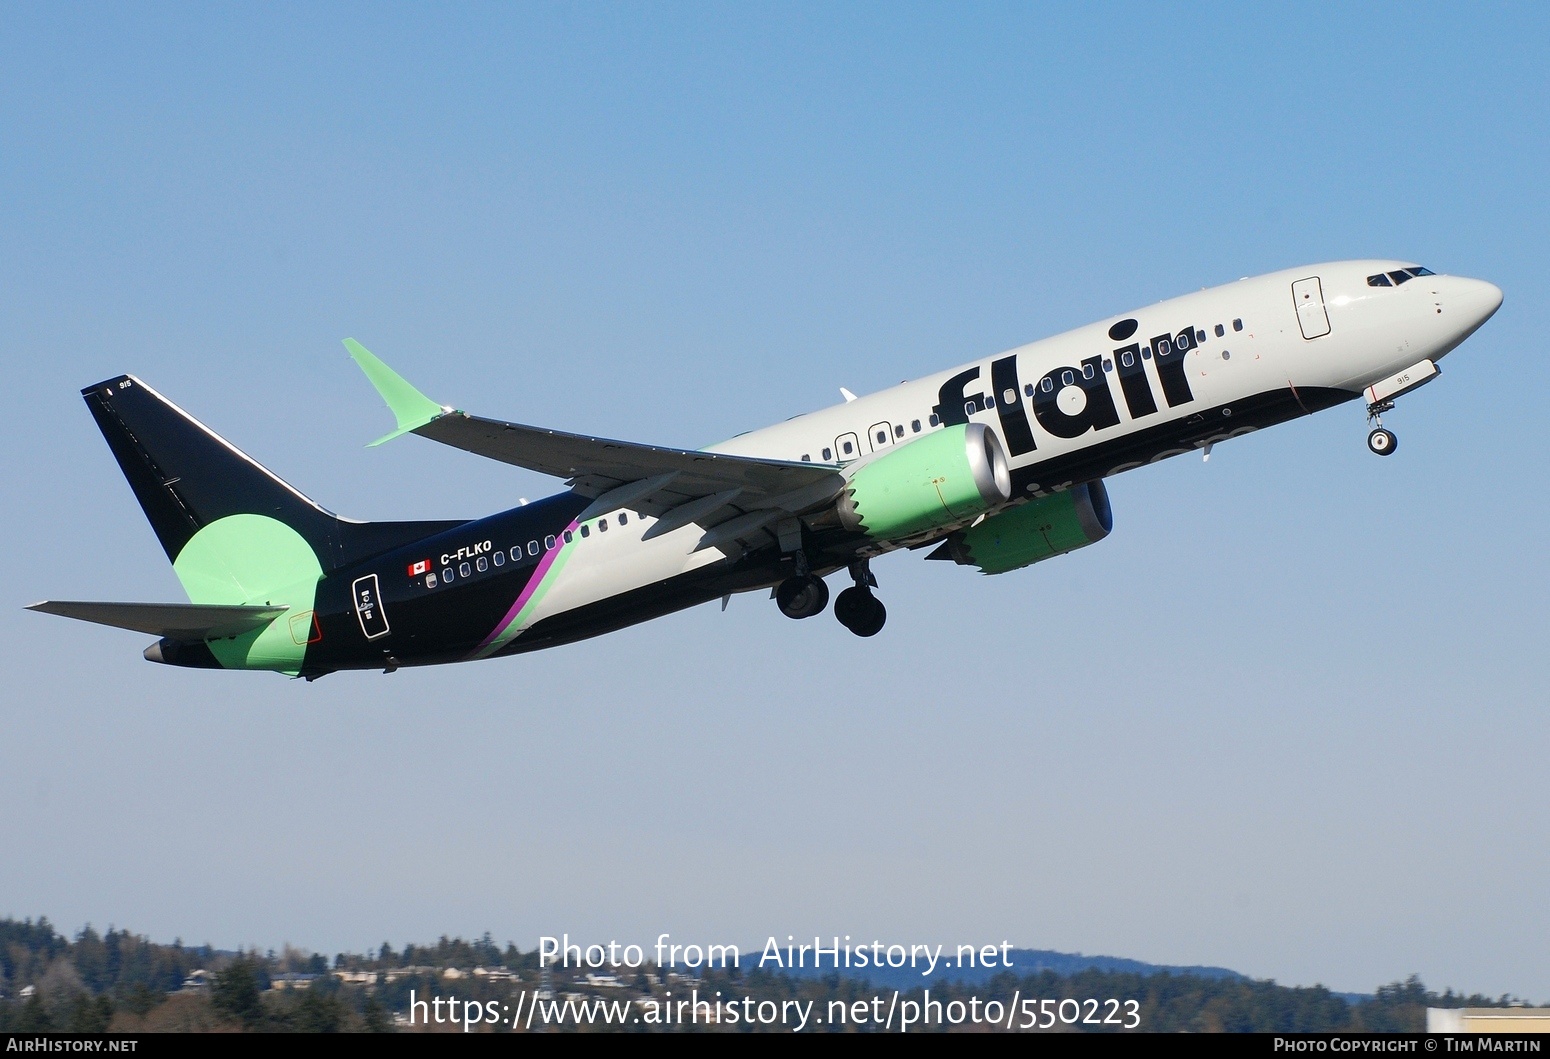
point(1024, 962)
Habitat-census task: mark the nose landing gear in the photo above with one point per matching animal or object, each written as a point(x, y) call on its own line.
point(1380, 440)
point(856, 608)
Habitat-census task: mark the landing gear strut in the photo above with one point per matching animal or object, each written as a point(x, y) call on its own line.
point(856, 608)
point(1380, 440)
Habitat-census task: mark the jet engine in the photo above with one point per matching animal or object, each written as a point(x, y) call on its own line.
point(945, 477)
point(1032, 532)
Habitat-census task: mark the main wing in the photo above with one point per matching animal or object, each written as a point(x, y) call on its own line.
point(735, 498)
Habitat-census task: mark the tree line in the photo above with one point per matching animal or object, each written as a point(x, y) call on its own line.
point(122, 982)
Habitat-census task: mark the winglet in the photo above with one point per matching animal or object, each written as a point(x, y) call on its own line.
point(411, 407)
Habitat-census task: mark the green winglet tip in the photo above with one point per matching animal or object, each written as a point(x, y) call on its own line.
point(409, 406)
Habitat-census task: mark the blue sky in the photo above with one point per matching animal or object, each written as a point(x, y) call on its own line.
point(1289, 718)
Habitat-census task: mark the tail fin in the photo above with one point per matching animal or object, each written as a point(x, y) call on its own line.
point(187, 477)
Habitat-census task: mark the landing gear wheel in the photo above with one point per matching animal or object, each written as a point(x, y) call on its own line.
point(802, 597)
point(1382, 442)
point(860, 611)
point(849, 604)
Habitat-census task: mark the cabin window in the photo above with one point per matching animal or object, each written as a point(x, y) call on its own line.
point(1067, 378)
point(1108, 365)
point(1047, 385)
point(1237, 325)
point(548, 543)
point(1008, 396)
point(1127, 358)
point(464, 570)
point(1220, 330)
point(1087, 371)
point(586, 531)
point(849, 448)
point(602, 525)
point(915, 426)
point(532, 547)
point(499, 558)
point(882, 437)
point(624, 518)
point(516, 553)
point(1200, 336)
point(569, 536)
point(446, 575)
point(482, 563)
point(898, 431)
point(1028, 389)
point(430, 580)
point(828, 454)
point(807, 458)
point(935, 419)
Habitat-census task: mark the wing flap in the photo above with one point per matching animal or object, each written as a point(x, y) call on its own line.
point(175, 621)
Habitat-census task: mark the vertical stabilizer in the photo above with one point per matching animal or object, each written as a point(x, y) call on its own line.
point(219, 514)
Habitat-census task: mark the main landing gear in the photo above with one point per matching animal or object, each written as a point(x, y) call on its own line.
point(802, 595)
point(1380, 440)
point(856, 608)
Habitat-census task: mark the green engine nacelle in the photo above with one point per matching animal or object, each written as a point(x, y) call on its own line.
point(1033, 532)
point(935, 481)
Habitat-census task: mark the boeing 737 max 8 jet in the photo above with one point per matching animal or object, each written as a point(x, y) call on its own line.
point(996, 464)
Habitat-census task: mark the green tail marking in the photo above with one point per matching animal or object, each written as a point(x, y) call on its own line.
point(411, 407)
point(254, 560)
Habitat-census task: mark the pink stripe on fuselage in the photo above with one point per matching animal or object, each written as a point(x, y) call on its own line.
point(527, 590)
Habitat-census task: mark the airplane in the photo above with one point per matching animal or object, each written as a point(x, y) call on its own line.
point(997, 464)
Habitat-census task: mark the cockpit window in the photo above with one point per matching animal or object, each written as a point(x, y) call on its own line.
point(1394, 279)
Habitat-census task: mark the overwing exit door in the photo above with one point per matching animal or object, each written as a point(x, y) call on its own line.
point(1308, 295)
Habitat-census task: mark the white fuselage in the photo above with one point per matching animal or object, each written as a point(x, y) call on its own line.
point(1373, 332)
point(1225, 348)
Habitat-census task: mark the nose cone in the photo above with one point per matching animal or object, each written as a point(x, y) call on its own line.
point(1475, 300)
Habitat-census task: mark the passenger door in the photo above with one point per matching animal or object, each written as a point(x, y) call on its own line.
point(1308, 295)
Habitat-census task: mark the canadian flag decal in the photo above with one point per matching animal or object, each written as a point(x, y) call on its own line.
point(421, 567)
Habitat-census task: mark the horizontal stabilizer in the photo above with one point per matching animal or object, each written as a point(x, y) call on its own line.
point(175, 621)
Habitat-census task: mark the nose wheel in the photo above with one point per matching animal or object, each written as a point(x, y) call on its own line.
point(1380, 440)
point(857, 608)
